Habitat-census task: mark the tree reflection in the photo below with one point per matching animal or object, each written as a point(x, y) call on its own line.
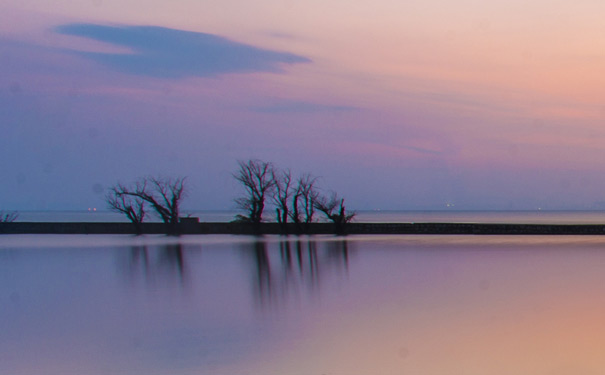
point(263, 271)
point(156, 264)
point(280, 271)
point(295, 267)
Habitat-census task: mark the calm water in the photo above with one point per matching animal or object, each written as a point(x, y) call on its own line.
point(428, 305)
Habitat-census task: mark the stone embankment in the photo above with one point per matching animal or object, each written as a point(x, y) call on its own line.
point(194, 227)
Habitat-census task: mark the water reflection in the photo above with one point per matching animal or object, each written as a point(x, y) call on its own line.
point(293, 267)
point(155, 264)
point(387, 305)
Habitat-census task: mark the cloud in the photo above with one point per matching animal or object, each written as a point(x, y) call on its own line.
point(169, 53)
point(281, 35)
point(302, 107)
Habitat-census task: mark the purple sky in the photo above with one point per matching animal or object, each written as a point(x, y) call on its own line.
point(394, 106)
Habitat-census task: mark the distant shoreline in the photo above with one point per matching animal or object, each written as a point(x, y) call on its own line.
point(385, 216)
point(313, 228)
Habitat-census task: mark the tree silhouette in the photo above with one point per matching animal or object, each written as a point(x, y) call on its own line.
point(283, 192)
point(334, 209)
point(8, 217)
point(257, 178)
point(303, 202)
point(120, 200)
point(295, 200)
point(164, 194)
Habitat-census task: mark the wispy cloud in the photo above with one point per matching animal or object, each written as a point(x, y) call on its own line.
point(170, 53)
point(302, 107)
point(282, 35)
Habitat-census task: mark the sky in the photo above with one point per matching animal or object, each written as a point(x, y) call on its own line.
point(415, 105)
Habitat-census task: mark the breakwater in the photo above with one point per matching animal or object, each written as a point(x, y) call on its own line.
point(193, 227)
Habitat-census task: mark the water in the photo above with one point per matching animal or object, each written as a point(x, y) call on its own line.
point(521, 217)
point(222, 305)
point(99, 216)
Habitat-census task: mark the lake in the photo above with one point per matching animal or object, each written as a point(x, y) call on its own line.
point(223, 305)
point(375, 216)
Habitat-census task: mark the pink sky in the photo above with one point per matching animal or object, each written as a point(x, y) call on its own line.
point(395, 105)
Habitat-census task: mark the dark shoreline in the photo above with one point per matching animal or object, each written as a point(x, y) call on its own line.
point(314, 228)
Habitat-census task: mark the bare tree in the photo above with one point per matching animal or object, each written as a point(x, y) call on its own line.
point(334, 209)
point(303, 201)
point(164, 194)
point(257, 178)
point(120, 199)
point(8, 217)
point(308, 195)
point(281, 196)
